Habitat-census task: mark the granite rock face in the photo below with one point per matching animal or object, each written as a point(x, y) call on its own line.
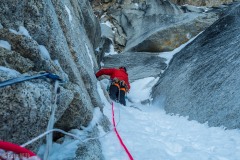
point(152, 25)
point(202, 81)
point(26, 107)
point(208, 3)
point(167, 34)
point(165, 30)
point(54, 36)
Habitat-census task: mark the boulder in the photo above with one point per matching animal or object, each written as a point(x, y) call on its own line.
point(157, 26)
point(191, 8)
point(202, 81)
point(178, 31)
point(139, 64)
point(89, 149)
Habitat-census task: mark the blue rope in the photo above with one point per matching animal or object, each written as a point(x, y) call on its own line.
point(27, 78)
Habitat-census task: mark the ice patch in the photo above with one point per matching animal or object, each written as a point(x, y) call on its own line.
point(5, 44)
point(44, 52)
point(14, 31)
point(70, 18)
point(97, 49)
point(142, 89)
point(9, 71)
point(22, 31)
point(97, 115)
point(89, 55)
point(111, 52)
point(63, 151)
point(188, 36)
point(107, 23)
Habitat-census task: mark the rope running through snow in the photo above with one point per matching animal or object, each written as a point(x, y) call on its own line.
point(119, 138)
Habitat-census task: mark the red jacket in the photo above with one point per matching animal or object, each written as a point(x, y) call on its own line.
point(115, 73)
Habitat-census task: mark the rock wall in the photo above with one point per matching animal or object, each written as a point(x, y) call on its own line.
point(69, 32)
point(161, 26)
point(152, 25)
point(209, 3)
point(202, 81)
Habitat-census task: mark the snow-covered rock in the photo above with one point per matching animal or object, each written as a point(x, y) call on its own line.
point(162, 30)
point(202, 81)
point(41, 33)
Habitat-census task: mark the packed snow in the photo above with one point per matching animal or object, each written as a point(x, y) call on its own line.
point(21, 31)
point(70, 18)
point(151, 134)
point(9, 71)
point(89, 55)
point(44, 52)
point(5, 44)
point(107, 23)
point(24, 31)
point(67, 149)
point(111, 51)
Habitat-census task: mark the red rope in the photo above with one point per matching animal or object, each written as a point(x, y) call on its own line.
point(119, 138)
point(7, 146)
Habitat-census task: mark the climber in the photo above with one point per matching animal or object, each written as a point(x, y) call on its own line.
point(119, 83)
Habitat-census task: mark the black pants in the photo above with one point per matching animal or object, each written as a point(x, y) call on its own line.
point(117, 95)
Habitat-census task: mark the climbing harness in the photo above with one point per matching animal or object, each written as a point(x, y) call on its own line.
point(26, 78)
point(120, 84)
point(119, 138)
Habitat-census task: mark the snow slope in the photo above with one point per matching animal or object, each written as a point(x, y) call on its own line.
point(151, 134)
